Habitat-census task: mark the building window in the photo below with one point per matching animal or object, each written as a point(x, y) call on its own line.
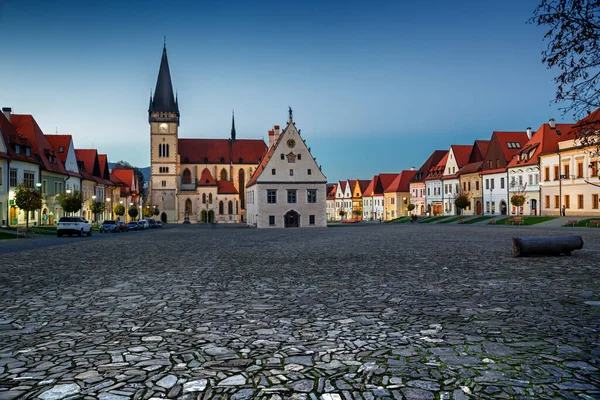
point(28, 154)
point(595, 201)
point(580, 170)
point(567, 201)
point(311, 219)
point(210, 198)
point(12, 178)
point(273, 171)
point(164, 183)
point(44, 187)
point(299, 157)
point(580, 201)
point(311, 196)
point(567, 171)
point(17, 149)
point(546, 174)
point(556, 202)
point(310, 171)
point(487, 183)
point(28, 179)
point(291, 196)
point(230, 207)
point(223, 174)
point(291, 172)
point(392, 200)
point(221, 208)
point(547, 202)
point(556, 173)
point(271, 196)
point(271, 220)
point(187, 176)
point(282, 156)
point(502, 182)
point(203, 198)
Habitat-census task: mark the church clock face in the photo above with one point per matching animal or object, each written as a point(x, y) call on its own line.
point(291, 143)
point(163, 127)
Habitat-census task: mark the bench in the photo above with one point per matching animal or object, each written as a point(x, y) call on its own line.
point(516, 221)
point(594, 222)
point(461, 221)
point(22, 231)
point(492, 222)
point(572, 222)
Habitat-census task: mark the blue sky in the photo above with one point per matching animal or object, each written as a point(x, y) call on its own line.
point(375, 86)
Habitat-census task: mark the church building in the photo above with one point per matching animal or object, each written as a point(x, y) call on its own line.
point(288, 189)
point(196, 180)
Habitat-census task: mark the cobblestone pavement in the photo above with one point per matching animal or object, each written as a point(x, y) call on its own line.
point(356, 312)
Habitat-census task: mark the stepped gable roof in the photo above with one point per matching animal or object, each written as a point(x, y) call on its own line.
point(11, 136)
point(221, 151)
point(431, 162)
point(368, 192)
point(206, 178)
point(544, 140)
point(60, 144)
point(437, 171)
point(331, 189)
point(383, 182)
point(27, 126)
point(401, 183)
point(89, 166)
point(226, 187)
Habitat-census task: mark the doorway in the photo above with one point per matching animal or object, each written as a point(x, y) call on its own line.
point(478, 209)
point(163, 217)
point(291, 219)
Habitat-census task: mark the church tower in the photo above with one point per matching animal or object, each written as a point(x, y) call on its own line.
point(163, 116)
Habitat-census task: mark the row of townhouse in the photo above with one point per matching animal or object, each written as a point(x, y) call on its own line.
point(53, 165)
point(549, 167)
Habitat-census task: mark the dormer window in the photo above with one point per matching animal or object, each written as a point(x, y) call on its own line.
point(61, 149)
point(28, 151)
point(17, 149)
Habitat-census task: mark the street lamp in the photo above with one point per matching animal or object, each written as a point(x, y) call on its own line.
point(552, 124)
point(38, 185)
point(404, 198)
point(94, 206)
point(110, 210)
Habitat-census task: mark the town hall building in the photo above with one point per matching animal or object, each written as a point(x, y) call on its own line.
point(196, 180)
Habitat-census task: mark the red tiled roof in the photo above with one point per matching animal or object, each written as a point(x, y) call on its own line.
point(58, 141)
point(226, 187)
point(90, 168)
point(11, 136)
point(470, 168)
point(437, 171)
point(27, 126)
point(263, 161)
point(371, 188)
point(480, 148)
point(587, 124)
point(221, 151)
point(493, 171)
point(383, 182)
point(544, 140)
point(331, 189)
point(504, 138)
point(363, 184)
point(343, 186)
point(401, 182)
point(206, 178)
point(432, 161)
point(462, 153)
point(103, 162)
point(127, 176)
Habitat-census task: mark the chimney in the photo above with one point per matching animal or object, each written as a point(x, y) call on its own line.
point(273, 135)
point(412, 168)
point(529, 133)
point(7, 111)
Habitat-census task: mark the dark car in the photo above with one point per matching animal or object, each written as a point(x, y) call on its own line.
point(152, 224)
point(121, 227)
point(158, 224)
point(132, 226)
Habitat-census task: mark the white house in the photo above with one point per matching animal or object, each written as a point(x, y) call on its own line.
point(434, 188)
point(288, 188)
point(458, 157)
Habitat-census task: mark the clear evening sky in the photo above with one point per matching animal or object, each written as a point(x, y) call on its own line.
point(375, 86)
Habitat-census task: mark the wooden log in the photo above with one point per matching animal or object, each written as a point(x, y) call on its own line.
point(546, 245)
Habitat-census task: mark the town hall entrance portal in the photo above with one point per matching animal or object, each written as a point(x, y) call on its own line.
point(291, 219)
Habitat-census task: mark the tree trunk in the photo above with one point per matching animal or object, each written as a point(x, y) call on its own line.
point(546, 245)
point(26, 220)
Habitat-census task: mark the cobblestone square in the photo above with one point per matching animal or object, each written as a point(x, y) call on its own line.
point(357, 312)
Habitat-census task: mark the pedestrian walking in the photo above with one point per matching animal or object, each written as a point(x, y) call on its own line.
point(564, 210)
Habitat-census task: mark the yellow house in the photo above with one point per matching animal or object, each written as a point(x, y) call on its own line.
point(397, 196)
point(358, 188)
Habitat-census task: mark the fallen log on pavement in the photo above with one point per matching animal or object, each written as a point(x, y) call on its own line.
point(546, 245)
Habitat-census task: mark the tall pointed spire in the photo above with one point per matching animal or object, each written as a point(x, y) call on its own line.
point(163, 94)
point(233, 126)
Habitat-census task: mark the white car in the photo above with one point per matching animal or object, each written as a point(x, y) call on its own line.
point(73, 225)
point(143, 223)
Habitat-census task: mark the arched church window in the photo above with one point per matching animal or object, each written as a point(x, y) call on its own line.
point(230, 207)
point(203, 198)
point(242, 187)
point(210, 198)
point(188, 206)
point(167, 150)
point(187, 176)
point(223, 174)
point(221, 208)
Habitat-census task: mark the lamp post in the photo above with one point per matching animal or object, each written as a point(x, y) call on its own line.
point(405, 205)
point(121, 202)
point(94, 206)
point(38, 185)
point(109, 209)
point(68, 192)
point(552, 124)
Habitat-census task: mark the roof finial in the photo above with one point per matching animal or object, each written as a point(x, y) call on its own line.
point(291, 113)
point(165, 42)
point(233, 126)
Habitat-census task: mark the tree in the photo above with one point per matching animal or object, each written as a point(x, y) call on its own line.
point(156, 211)
point(119, 210)
point(517, 200)
point(97, 207)
point(133, 212)
point(462, 201)
point(71, 203)
point(574, 49)
point(28, 199)
point(342, 213)
point(410, 207)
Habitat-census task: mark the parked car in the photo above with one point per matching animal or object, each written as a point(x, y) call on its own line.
point(152, 224)
point(143, 223)
point(73, 225)
point(108, 225)
point(158, 224)
point(132, 226)
point(122, 227)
